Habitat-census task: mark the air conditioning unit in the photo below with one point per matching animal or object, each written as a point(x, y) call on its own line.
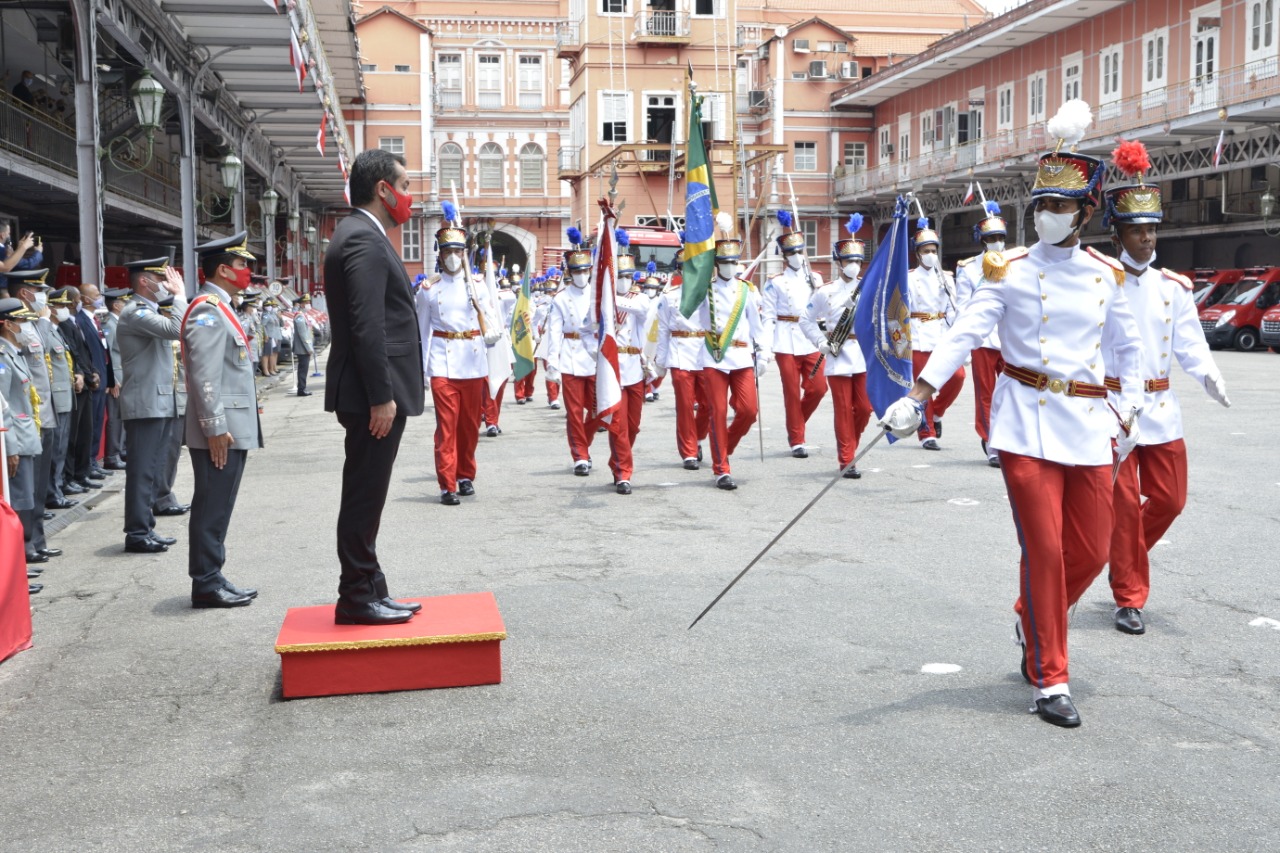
point(888, 150)
point(817, 69)
point(849, 70)
point(757, 98)
point(800, 45)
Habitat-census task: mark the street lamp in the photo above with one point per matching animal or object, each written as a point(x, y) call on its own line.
point(270, 202)
point(324, 245)
point(148, 102)
point(293, 220)
point(311, 234)
point(232, 167)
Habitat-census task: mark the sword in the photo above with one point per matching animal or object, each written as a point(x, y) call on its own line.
point(790, 524)
point(1115, 466)
point(755, 359)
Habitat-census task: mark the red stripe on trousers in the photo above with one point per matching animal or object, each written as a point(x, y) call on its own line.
point(693, 415)
point(800, 394)
point(852, 413)
point(457, 403)
point(736, 390)
point(939, 402)
point(1158, 472)
point(579, 403)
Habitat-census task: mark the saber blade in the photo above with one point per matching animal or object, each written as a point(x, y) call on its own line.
point(790, 524)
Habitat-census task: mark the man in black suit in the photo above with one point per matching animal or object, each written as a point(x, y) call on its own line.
point(98, 378)
point(82, 404)
point(374, 377)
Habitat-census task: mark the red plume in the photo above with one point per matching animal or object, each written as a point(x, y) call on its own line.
point(1131, 158)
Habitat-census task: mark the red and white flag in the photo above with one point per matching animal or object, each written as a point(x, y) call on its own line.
point(1217, 152)
point(297, 58)
point(320, 135)
point(273, 5)
point(968, 194)
point(608, 378)
point(346, 179)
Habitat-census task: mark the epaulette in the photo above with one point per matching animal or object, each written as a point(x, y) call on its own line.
point(214, 300)
point(1015, 254)
point(1115, 265)
point(966, 262)
point(428, 283)
point(1179, 278)
point(995, 265)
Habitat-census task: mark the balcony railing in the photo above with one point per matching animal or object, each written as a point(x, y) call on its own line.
point(450, 99)
point(569, 37)
point(569, 161)
point(662, 24)
point(530, 100)
point(43, 140)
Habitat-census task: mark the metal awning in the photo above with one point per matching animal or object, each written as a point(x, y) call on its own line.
point(248, 45)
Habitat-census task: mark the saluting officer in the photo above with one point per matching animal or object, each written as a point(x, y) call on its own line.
point(222, 416)
point(148, 405)
point(304, 346)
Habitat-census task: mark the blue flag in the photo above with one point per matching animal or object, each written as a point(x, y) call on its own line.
point(882, 320)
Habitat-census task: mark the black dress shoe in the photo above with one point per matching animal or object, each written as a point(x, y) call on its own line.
point(88, 484)
point(799, 452)
point(853, 474)
point(724, 481)
point(96, 474)
point(466, 488)
point(146, 546)
point(930, 444)
point(51, 552)
point(62, 504)
point(36, 557)
point(47, 516)
point(247, 592)
point(163, 540)
point(937, 428)
point(449, 499)
point(34, 573)
point(176, 509)
point(374, 613)
point(1059, 710)
point(219, 598)
point(407, 606)
point(73, 488)
point(1129, 621)
point(113, 466)
point(581, 469)
point(691, 465)
point(622, 487)
point(699, 452)
point(304, 393)
point(33, 588)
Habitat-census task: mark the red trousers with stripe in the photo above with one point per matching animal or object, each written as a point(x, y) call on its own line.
point(938, 404)
point(579, 404)
point(852, 411)
point(987, 364)
point(800, 394)
point(493, 405)
point(737, 390)
point(1157, 472)
point(624, 426)
point(553, 388)
point(693, 415)
point(1063, 517)
point(457, 403)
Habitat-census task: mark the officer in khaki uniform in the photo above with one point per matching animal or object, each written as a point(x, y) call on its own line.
point(167, 503)
point(222, 416)
point(147, 402)
point(22, 441)
point(62, 372)
point(304, 348)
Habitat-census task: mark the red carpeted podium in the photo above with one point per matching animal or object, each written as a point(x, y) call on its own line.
point(454, 641)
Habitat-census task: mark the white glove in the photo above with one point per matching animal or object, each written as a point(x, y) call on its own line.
point(1126, 442)
point(553, 375)
point(847, 302)
point(1217, 389)
point(659, 371)
point(903, 417)
point(824, 347)
point(762, 367)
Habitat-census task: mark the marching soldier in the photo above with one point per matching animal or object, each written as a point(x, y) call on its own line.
point(734, 354)
point(148, 405)
point(783, 301)
point(113, 454)
point(985, 361)
point(222, 416)
point(1060, 308)
point(492, 408)
point(543, 296)
point(571, 355)
point(830, 310)
point(304, 346)
point(681, 344)
point(455, 328)
point(932, 296)
point(624, 426)
point(1170, 328)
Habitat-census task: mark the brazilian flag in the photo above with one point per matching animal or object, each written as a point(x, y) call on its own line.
point(700, 209)
point(522, 331)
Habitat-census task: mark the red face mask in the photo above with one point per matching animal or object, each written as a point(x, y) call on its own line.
point(403, 207)
point(240, 277)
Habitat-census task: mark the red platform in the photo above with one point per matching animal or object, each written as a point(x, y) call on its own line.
point(454, 641)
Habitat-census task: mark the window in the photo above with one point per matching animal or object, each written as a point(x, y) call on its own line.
point(841, 47)
point(809, 226)
point(824, 47)
point(708, 7)
point(411, 240)
point(1109, 86)
point(613, 7)
point(403, 69)
point(529, 82)
point(533, 163)
point(806, 157)
point(1153, 76)
point(394, 144)
point(886, 147)
point(489, 82)
point(1260, 51)
point(855, 155)
point(1004, 108)
point(450, 166)
point(368, 66)
point(615, 116)
point(449, 79)
point(926, 132)
point(1035, 98)
point(1071, 67)
point(491, 166)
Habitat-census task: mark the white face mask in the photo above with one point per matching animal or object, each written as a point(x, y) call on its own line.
point(851, 270)
point(40, 298)
point(622, 286)
point(1127, 260)
point(795, 260)
point(452, 263)
point(62, 314)
point(579, 279)
point(929, 261)
point(1054, 227)
point(996, 246)
point(727, 271)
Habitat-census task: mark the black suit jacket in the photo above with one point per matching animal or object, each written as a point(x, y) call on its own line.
point(97, 352)
point(375, 354)
point(75, 342)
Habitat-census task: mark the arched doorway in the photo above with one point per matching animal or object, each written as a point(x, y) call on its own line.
point(515, 244)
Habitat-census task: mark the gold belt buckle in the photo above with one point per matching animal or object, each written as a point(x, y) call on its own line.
point(1056, 385)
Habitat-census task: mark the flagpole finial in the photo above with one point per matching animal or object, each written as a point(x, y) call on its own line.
point(613, 185)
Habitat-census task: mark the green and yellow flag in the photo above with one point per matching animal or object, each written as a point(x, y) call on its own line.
point(700, 209)
point(522, 330)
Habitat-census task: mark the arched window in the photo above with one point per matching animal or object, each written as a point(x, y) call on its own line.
point(533, 167)
point(450, 166)
point(491, 166)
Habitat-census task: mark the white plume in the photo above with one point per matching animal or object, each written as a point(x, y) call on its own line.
point(1071, 122)
point(725, 223)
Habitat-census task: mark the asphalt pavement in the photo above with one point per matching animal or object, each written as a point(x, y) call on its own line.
point(858, 690)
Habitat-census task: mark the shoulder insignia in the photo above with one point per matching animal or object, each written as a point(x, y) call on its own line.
point(1017, 253)
point(141, 311)
point(214, 301)
point(205, 320)
point(1115, 265)
point(1179, 278)
point(966, 262)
